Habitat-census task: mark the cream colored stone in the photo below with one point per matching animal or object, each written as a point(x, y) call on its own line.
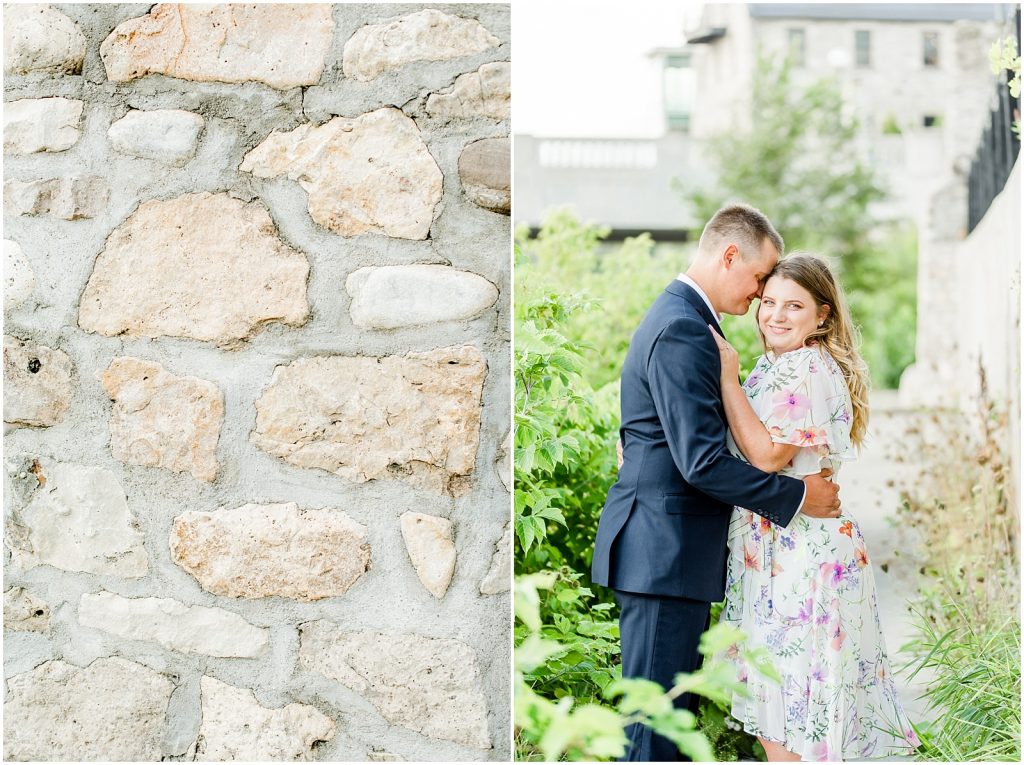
point(236, 727)
point(71, 198)
point(204, 266)
point(23, 612)
point(112, 710)
point(427, 35)
point(257, 551)
point(387, 297)
point(414, 417)
point(503, 462)
point(499, 575)
point(162, 420)
point(174, 625)
point(19, 280)
point(38, 385)
point(41, 124)
point(283, 45)
point(38, 38)
point(430, 685)
point(487, 92)
point(485, 169)
point(165, 135)
point(372, 174)
point(78, 520)
point(428, 540)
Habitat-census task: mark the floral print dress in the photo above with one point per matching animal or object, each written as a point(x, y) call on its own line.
point(806, 591)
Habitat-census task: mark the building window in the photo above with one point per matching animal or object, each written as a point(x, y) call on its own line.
point(797, 46)
point(931, 48)
point(862, 43)
point(931, 120)
point(679, 89)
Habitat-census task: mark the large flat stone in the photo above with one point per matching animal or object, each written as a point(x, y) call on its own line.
point(487, 93)
point(38, 38)
point(41, 124)
point(387, 297)
point(499, 575)
point(430, 685)
point(414, 417)
point(174, 625)
point(38, 383)
point(257, 551)
point(162, 420)
point(427, 35)
point(431, 548)
point(71, 198)
point(165, 135)
point(23, 612)
point(19, 279)
point(78, 520)
point(485, 169)
point(204, 266)
point(236, 727)
point(111, 710)
point(372, 174)
point(283, 45)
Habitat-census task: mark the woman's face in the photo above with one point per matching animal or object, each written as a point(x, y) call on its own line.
point(787, 314)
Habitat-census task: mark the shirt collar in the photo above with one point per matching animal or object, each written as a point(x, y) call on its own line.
point(687, 280)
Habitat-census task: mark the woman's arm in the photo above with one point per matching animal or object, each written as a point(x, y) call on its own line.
point(747, 430)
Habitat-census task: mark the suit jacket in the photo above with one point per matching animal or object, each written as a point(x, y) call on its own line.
point(665, 523)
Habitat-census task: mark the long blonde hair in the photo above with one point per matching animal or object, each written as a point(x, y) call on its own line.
point(837, 334)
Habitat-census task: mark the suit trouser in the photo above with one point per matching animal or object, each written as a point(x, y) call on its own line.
point(659, 637)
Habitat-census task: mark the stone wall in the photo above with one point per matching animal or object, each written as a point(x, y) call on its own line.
point(256, 367)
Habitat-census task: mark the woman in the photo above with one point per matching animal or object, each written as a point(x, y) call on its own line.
point(806, 591)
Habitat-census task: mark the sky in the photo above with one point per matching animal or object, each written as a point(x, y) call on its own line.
point(582, 69)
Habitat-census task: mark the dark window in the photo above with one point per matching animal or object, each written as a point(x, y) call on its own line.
point(931, 120)
point(797, 46)
point(862, 43)
point(931, 48)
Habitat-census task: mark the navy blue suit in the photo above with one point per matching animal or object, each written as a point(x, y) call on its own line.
point(661, 540)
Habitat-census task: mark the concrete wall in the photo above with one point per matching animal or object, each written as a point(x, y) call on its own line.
point(256, 387)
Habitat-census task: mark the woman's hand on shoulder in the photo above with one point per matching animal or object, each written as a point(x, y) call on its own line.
point(729, 357)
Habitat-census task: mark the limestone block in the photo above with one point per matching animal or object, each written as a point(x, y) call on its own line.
point(23, 612)
point(37, 383)
point(487, 92)
point(428, 539)
point(485, 169)
point(499, 575)
point(204, 266)
point(165, 135)
point(71, 198)
point(414, 417)
point(162, 420)
point(256, 551)
point(427, 35)
point(503, 462)
point(38, 38)
point(388, 297)
point(41, 124)
point(111, 710)
point(19, 281)
point(174, 625)
point(237, 727)
point(81, 522)
point(430, 685)
point(371, 174)
point(282, 45)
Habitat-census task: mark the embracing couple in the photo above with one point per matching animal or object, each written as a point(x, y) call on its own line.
point(724, 492)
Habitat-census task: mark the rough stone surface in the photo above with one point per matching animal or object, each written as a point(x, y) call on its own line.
point(430, 685)
point(503, 462)
point(365, 175)
point(499, 575)
point(38, 38)
point(38, 384)
point(19, 281)
point(41, 124)
point(485, 169)
point(204, 266)
point(257, 551)
point(166, 135)
point(431, 548)
point(162, 420)
point(387, 297)
point(378, 756)
point(23, 612)
point(111, 710)
point(427, 35)
point(77, 520)
point(414, 417)
point(487, 92)
point(192, 629)
point(70, 198)
point(237, 727)
point(282, 45)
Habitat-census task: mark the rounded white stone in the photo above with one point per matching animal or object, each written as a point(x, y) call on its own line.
point(41, 124)
point(165, 135)
point(19, 281)
point(38, 38)
point(428, 538)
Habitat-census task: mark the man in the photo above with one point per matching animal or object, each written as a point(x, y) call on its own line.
point(661, 541)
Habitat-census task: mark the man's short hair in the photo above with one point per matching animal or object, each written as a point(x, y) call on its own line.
point(742, 225)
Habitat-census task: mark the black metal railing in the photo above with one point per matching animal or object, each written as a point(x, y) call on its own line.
point(997, 150)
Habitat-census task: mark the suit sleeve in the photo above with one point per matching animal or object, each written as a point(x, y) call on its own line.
point(683, 370)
